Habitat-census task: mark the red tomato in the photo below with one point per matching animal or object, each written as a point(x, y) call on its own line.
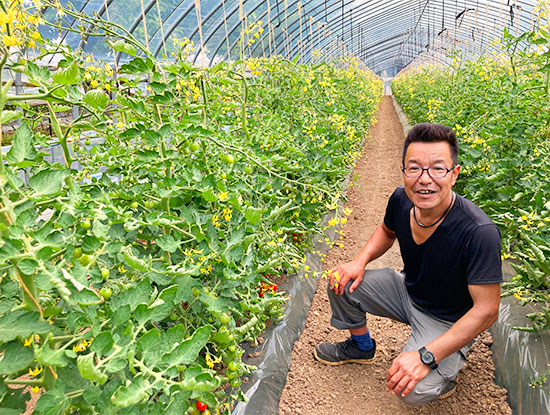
point(201, 406)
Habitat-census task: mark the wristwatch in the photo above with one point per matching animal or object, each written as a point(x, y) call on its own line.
point(427, 358)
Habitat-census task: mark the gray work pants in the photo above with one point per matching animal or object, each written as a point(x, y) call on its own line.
point(383, 293)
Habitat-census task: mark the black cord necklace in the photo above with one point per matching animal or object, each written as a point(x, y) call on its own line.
point(437, 221)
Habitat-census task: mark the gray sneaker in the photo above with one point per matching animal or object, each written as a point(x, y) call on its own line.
point(334, 354)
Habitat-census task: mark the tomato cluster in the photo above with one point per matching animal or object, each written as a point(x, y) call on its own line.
point(267, 288)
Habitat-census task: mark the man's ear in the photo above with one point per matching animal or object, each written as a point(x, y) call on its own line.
point(456, 170)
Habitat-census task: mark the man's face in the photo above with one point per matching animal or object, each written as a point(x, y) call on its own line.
point(426, 192)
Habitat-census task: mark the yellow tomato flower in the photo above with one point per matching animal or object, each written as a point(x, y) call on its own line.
point(10, 40)
point(223, 196)
point(28, 341)
point(6, 18)
point(121, 269)
point(35, 389)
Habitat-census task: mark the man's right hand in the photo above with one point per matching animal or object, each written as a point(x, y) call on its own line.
point(343, 273)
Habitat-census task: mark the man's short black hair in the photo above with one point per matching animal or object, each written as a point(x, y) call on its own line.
point(432, 133)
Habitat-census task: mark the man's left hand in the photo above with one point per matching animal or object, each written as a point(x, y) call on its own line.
point(405, 372)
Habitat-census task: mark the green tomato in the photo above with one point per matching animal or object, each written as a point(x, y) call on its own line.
point(85, 259)
point(230, 159)
point(196, 292)
point(248, 169)
point(230, 374)
point(232, 348)
point(87, 141)
point(194, 146)
point(235, 382)
point(85, 223)
point(173, 317)
point(105, 273)
point(105, 292)
point(225, 318)
point(223, 175)
point(134, 205)
point(77, 252)
point(233, 366)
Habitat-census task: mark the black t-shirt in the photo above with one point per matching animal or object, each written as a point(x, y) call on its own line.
point(464, 249)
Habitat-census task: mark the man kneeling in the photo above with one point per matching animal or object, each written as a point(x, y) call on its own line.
point(449, 288)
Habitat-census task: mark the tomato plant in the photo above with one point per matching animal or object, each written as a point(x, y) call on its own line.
point(132, 280)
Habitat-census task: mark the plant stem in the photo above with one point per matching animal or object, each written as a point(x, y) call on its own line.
point(60, 136)
point(33, 382)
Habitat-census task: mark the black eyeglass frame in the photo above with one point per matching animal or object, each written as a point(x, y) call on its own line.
point(427, 170)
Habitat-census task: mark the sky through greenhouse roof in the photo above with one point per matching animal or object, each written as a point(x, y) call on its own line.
point(386, 36)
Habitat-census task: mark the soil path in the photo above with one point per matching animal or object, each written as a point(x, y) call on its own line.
point(315, 389)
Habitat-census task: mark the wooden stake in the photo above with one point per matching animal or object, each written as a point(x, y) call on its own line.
point(199, 22)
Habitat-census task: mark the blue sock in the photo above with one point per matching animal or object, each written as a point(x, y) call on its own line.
point(364, 342)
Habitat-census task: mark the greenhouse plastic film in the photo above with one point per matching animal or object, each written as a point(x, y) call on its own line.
point(520, 357)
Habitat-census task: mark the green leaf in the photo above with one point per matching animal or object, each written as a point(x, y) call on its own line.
point(50, 357)
point(121, 46)
point(27, 266)
point(22, 144)
point(8, 116)
point(148, 346)
point(133, 297)
point(137, 66)
point(135, 392)
point(102, 343)
point(132, 260)
point(87, 369)
point(20, 324)
point(90, 244)
point(179, 403)
point(99, 229)
point(37, 73)
point(121, 315)
point(48, 182)
point(168, 243)
point(188, 351)
point(253, 215)
point(209, 195)
point(16, 357)
point(53, 402)
point(96, 98)
point(67, 76)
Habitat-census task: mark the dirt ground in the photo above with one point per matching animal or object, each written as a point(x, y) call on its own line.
point(315, 389)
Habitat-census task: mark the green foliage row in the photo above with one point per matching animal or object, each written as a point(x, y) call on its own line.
point(499, 107)
point(132, 271)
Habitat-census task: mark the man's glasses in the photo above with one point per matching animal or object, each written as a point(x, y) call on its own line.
point(437, 172)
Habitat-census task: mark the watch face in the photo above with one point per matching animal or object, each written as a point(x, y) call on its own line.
point(427, 357)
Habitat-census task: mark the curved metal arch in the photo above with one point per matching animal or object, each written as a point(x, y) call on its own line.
point(174, 27)
point(235, 8)
point(100, 13)
point(338, 19)
point(360, 25)
point(232, 30)
point(523, 25)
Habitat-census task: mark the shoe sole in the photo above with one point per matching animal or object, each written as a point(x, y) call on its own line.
point(343, 362)
point(447, 394)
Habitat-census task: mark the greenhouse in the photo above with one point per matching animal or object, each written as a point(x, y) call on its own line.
point(181, 180)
